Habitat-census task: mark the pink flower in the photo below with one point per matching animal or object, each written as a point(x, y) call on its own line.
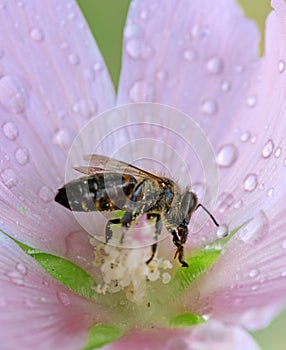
point(197, 58)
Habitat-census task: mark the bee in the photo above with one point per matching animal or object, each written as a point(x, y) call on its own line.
point(110, 184)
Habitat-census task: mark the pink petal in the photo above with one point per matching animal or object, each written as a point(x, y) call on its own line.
point(210, 335)
point(36, 310)
point(53, 80)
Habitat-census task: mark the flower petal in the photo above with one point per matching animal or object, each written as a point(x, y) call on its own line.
point(53, 79)
point(36, 309)
point(211, 335)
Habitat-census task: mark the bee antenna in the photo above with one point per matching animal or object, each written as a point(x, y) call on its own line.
point(207, 211)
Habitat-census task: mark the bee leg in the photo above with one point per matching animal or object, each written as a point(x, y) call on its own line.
point(125, 221)
point(179, 239)
point(108, 231)
point(158, 229)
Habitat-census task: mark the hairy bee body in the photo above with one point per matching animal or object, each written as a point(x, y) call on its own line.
point(125, 187)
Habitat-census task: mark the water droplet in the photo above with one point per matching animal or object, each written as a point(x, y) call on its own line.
point(144, 15)
point(251, 101)
point(255, 230)
point(63, 298)
point(225, 201)
point(284, 161)
point(284, 244)
point(37, 34)
point(245, 136)
point(238, 68)
point(215, 65)
point(250, 182)
point(13, 94)
point(133, 30)
point(227, 155)
point(268, 149)
point(270, 192)
point(190, 55)
point(16, 277)
point(283, 273)
point(46, 194)
point(209, 107)
point(199, 31)
point(278, 152)
point(137, 49)
point(10, 130)
point(85, 108)
point(142, 91)
point(22, 156)
point(238, 204)
point(8, 177)
point(225, 86)
point(222, 231)
point(98, 66)
point(64, 137)
point(281, 66)
point(73, 59)
point(253, 273)
point(22, 268)
point(161, 74)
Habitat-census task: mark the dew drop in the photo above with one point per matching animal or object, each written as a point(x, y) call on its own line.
point(8, 177)
point(22, 268)
point(46, 194)
point(16, 277)
point(278, 152)
point(37, 34)
point(64, 137)
point(22, 156)
point(253, 273)
point(142, 91)
point(13, 94)
point(270, 192)
point(97, 67)
point(161, 74)
point(281, 66)
point(268, 149)
point(222, 231)
point(238, 204)
point(137, 49)
point(133, 30)
point(227, 155)
point(225, 86)
point(64, 299)
point(198, 31)
point(73, 59)
point(250, 182)
point(85, 108)
point(190, 55)
point(255, 230)
point(251, 101)
point(215, 65)
point(225, 201)
point(10, 130)
point(144, 15)
point(284, 244)
point(245, 136)
point(209, 107)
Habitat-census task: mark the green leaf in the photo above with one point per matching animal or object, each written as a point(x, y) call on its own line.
point(101, 334)
point(198, 264)
point(65, 271)
point(185, 320)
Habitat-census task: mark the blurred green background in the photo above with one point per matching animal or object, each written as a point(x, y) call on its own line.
point(106, 19)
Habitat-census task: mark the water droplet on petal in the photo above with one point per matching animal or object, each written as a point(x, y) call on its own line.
point(215, 65)
point(22, 268)
point(250, 182)
point(10, 130)
point(85, 108)
point(278, 152)
point(225, 86)
point(253, 273)
point(8, 177)
point(209, 107)
point(137, 49)
point(281, 66)
point(238, 204)
point(245, 136)
point(251, 101)
point(16, 277)
point(13, 94)
point(97, 67)
point(225, 201)
point(46, 194)
point(73, 59)
point(144, 15)
point(161, 74)
point(268, 149)
point(64, 137)
point(22, 155)
point(198, 31)
point(142, 91)
point(63, 298)
point(222, 231)
point(133, 30)
point(255, 230)
point(270, 192)
point(227, 155)
point(190, 55)
point(37, 34)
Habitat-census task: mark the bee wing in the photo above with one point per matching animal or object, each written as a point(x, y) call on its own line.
point(102, 164)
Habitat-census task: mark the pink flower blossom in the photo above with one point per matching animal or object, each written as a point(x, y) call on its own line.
point(198, 59)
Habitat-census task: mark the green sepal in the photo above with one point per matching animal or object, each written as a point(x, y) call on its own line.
point(63, 270)
point(186, 319)
point(102, 334)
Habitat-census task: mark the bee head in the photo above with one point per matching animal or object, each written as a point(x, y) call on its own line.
point(189, 204)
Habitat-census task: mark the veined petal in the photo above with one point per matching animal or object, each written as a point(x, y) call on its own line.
point(210, 335)
point(53, 80)
point(36, 310)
